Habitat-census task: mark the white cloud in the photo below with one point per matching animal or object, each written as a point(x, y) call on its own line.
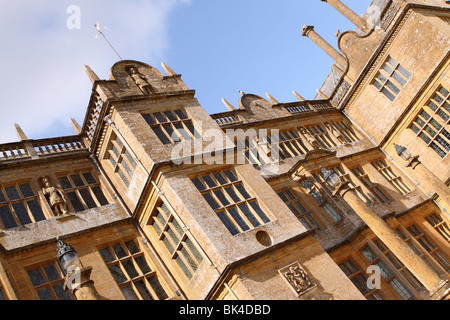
point(42, 81)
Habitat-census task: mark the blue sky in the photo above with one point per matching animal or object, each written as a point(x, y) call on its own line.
point(219, 47)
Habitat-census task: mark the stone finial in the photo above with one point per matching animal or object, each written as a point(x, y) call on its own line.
point(242, 92)
point(272, 99)
point(228, 105)
point(169, 71)
point(322, 95)
point(349, 14)
point(299, 97)
point(306, 29)
point(91, 74)
point(76, 127)
point(309, 32)
point(20, 134)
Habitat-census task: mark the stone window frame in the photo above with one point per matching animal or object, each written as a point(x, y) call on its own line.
point(374, 188)
point(392, 270)
point(431, 123)
point(49, 283)
point(171, 126)
point(170, 232)
point(19, 208)
point(390, 78)
point(121, 160)
point(439, 225)
point(131, 270)
point(426, 248)
point(84, 192)
point(359, 280)
point(322, 201)
point(302, 213)
point(227, 195)
point(391, 176)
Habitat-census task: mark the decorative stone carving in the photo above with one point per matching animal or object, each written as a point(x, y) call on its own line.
point(297, 278)
point(56, 197)
point(335, 133)
point(310, 138)
point(140, 80)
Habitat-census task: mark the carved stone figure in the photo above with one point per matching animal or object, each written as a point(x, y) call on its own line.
point(141, 81)
point(298, 278)
point(310, 138)
point(56, 197)
point(335, 133)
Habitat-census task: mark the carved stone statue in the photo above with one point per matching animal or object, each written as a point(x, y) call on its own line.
point(298, 278)
point(310, 138)
point(335, 133)
point(141, 81)
point(56, 197)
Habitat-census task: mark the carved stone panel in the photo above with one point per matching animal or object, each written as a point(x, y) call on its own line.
point(297, 278)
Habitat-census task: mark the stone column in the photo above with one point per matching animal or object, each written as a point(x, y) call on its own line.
point(385, 233)
point(349, 14)
point(81, 285)
point(309, 32)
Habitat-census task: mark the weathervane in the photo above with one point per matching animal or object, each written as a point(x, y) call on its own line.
point(97, 26)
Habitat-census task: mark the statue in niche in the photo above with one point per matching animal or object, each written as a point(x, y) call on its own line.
point(141, 81)
point(335, 133)
point(310, 138)
point(298, 279)
point(55, 196)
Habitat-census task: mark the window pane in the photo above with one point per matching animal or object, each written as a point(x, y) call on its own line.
point(75, 201)
point(170, 116)
point(246, 210)
point(106, 255)
point(77, 180)
point(198, 184)
point(149, 119)
point(259, 211)
point(119, 250)
point(117, 273)
point(21, 213)
point(143, 265)
point(100, 196)
point(157, 288)
point(242, 191)
point(89, 178)
point(26, 190)
point(228, 224)
point(209, 181)
point(230, 175)
point(7, 218)
point(60, 292)
point(220, 195)
point(86, 195)
point(129, 293)
point(212, 202)
point(12, 193)
point(238, 219)
point(161, 135)
point(232, 193)
point(2, 197)
point(130, 269)
point(181, 114)
point(45, 294)
point(36, 210)
point(36, 277)
point(143, 290)
point(132, 247)
point(52, 273)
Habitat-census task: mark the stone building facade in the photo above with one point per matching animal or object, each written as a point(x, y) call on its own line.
point(162, 200)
